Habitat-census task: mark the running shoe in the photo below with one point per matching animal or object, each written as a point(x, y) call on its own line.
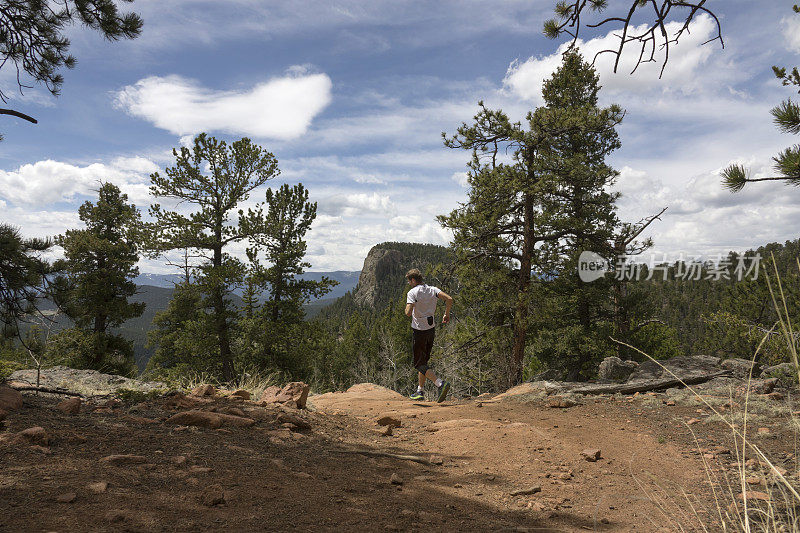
point(417, 396)
point(443, 390)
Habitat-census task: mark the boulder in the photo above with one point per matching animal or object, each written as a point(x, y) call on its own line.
point(10, 399)
point(294, 394)
point(70, 406)
point(741, 367)
point(684, 366)
point(615, 369)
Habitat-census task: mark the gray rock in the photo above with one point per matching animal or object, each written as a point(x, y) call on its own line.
point(741, 367)
point(784, 372)
point(86, 382)
point(615, 369)
point(681, 366)
point(378, 263)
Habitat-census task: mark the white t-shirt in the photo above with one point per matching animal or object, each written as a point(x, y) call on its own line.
point(424, 297)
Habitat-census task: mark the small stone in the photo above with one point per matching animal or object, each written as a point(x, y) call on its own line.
point(561, 402)
point(67, 497)
point(70, 406)
point(591, 455)
point(764, 431)
point(753, 480)
point(565, 476)
point(98, 487)
point(436, 460)
point(196, 469)
point(692, 421)
point(530, 490)
point(389, 420)
point(396, 480)
point(754, 495)
point(124, 459)
point(33, 435)
point(388, 431)
point(204, 390)
point(669, 403)
point(213, 495)
point(241, 393)
point(115, 516)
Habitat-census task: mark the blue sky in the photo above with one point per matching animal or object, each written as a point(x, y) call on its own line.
point(352, 98)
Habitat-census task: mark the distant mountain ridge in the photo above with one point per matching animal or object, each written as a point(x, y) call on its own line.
point(347, 281)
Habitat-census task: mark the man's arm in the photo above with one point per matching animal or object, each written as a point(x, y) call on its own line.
point(448, 304)
point(409, 308)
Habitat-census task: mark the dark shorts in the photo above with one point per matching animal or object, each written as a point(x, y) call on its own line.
point(422, 341)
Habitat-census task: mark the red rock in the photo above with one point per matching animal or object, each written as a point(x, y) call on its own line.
point(123, 459)
point(241, 393)
point(560, 402)
point(67, 497)
point(591, 455)
point(10, 399)
point(692, 421)
point(179, 401)
point(197, 418)
point(204, 390)
point(294, 394)
point(755, 495)
point(34, 435)
point(235, 421)
point(296, 421)
point(70, 406)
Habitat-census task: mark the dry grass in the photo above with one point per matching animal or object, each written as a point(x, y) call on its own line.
point(772, 507)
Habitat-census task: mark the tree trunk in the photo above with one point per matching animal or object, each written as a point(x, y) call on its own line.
point(523, 284)
point(219, 314)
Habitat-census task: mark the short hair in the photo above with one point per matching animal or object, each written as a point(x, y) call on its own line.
point(414, 274)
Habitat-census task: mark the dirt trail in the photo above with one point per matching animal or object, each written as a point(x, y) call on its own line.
point(270, 478)
point(491, 449)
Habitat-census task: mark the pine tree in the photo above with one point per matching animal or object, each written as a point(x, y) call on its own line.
point(277, 229)
point(99, 265)
point(521, 213)
point(233, 172)
point(23, 278)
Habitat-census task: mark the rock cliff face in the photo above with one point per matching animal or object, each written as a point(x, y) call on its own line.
point(380, 265)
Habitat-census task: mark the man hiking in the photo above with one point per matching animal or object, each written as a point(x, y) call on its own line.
point(421, 307)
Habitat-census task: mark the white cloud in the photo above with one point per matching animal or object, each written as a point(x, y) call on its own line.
point(49, 182)
point(356, 204)
point(687, 70)
point(791, 31)
point(706, 219)
point(281, 108)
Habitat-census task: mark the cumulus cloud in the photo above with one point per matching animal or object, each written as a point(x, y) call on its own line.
point(705, 219)
point(461, 178)
point(688, 59)
point(49, 182)
point(281, 108)
point(356, 204)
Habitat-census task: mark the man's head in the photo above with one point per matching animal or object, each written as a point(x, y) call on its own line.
point(414, 277)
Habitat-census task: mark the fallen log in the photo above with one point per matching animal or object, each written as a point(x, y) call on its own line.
point(49, 391)
point(648, 385)
point(371, 453)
